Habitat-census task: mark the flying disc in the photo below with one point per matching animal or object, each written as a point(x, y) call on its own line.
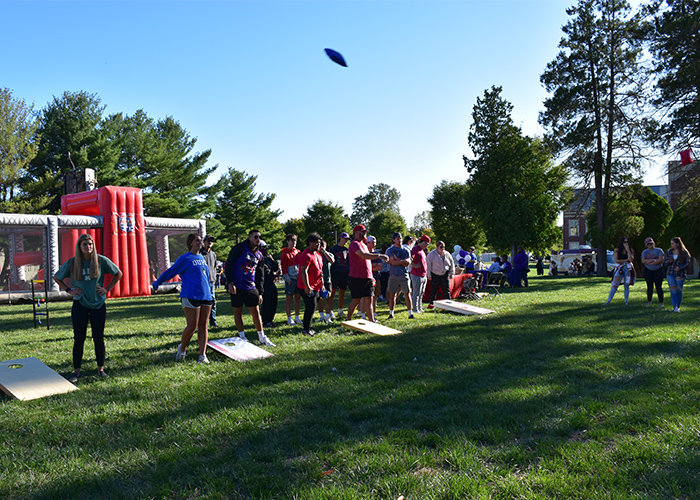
point(336, 57)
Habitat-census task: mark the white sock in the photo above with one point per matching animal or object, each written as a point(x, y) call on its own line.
point(410, 312)
point(296, 318)
point(323, 316)
point(391, 311)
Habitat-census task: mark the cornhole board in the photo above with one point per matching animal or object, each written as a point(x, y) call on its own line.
point(369, 327)
point(29, 378)
point(238, 349)
point(460, 307)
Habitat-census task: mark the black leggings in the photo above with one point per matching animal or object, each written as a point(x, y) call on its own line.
point(439, 281)
point(80, 316)
point(654, 278)
point(309, 307)
point(269, 305)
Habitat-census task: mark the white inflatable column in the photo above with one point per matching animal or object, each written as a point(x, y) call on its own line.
point(163, 247)
point(16, 246)
point(50, 244)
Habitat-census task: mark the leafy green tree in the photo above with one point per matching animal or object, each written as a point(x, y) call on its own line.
point(422, 222)
point(675, 45)
point(326, 218)
point(295, 226)
point(70, 130)
point(18, 147)
point(516, 191)
point(379, 198)
point(384, 224)
point(239, 209)
point(453, 219)
point(593, 114)
point(684, 224)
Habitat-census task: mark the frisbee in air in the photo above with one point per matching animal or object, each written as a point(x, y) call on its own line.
point(336, 57)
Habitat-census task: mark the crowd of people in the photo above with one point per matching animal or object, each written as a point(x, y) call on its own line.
point(318, 276)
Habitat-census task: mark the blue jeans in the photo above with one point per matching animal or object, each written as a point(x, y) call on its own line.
point(675, 286)
point(212, 315)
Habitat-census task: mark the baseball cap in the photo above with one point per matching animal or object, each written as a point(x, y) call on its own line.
point(359, 227)
point(370, 239)
point(262, 243)
point(648, 240)
point(425, 238)
point(396, 235)
point(344, 235)
point(209, 237)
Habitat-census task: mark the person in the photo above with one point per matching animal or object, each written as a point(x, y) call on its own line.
point(590, 268)
point(327, 259)
point(245, 283)
point(310, 282)
point(290, 275)
point(653, 260)
point(553, 268)
point(520, 264)
point(678, 261)
point(270, 271)
point(400, 261)
point(87, 270)
point(195, 295)
point(340, 270)
point(377, 266)
point(210, 259)
point(441, 269)
point(419, 272)
point(506, 265)
point(471, 262)
point(360, 274)
point(495, 266)
point(539, 266)
point(384, 275)
point(624, 272)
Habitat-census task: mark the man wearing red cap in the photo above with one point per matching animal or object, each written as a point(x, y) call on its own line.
point(361, 280)
point(419, 271)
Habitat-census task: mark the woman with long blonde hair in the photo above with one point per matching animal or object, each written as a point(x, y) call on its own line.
point(87, 271)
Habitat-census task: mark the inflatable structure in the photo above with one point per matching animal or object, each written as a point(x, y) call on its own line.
point(37, 245)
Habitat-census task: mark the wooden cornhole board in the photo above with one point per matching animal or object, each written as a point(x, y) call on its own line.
point(238, 349)
point(29, 378)
point(369, 327)
point(460, 307)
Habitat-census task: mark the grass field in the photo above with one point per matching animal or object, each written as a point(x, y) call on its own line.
point(554, 396)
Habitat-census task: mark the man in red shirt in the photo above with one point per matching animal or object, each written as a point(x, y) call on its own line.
point(310, 281)
point(290, 274)
point(361, 280)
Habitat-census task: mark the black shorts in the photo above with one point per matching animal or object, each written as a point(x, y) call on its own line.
point(194, 303)
point(249, 298)
point(339, 280)
point(361, 287)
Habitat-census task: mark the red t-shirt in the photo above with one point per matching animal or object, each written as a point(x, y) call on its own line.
point(289, 258)
point(418, 256)
point(359, 267)
point(314, 264)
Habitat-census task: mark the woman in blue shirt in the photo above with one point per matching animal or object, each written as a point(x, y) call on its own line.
point(87, 272)
point(195, 295)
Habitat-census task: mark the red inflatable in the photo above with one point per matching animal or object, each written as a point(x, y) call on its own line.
point(122, 237)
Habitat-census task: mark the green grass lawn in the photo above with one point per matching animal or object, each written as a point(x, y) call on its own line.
point(553, 396)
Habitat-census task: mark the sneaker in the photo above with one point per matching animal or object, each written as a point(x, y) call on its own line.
point(73, 377)
point(242, 335)
point(411, 316)
point(180, 354)
point(213, 324)
point(290, 321)
point(264, 340)
point(431, 306)
point(391, 315)
point(649, 304)
point(607, 303)
point(203, 359)
point(328, 320)
point(661, 306)
point(269, 325)
point(676, 310)
point(332, 316)
point(341, 313)
point(297, 321)
point(102, 374)
point(309, 332)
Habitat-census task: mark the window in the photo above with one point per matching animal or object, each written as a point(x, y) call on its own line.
point(573, 228)
point(573, 245)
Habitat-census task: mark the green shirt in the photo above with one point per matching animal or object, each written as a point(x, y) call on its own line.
point(89, 298)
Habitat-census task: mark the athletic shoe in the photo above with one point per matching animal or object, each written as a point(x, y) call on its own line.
point(102, 374)
point(309, 332)
point(180, 355)
point(264, 340)
point(431, 306)
point(269, 325)
point(290, 321)
point(661, 306)
point(649, 304)
point(203, 359)
point(391, 315)
point(411, 316)
point(297, 321)
point(332, 316)
point(676, 310)
point(73, 378)
point(213, 324)
point(341, 314)
point(328, 320)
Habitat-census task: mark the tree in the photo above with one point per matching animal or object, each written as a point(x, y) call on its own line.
point(18, 147)
point(675, 44)
point(326, 218)
point(379, 198)
point(239, 210)
point(454, 220)
point(70, 131)
point(422, 222)
point(593, 113)
point(684, 225)
point(515, 189)
point(384, 224)
point(294, 226)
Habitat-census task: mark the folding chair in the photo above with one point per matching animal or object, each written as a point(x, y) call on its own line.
point(494, 281)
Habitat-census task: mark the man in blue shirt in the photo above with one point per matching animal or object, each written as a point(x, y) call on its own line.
point(399, 261)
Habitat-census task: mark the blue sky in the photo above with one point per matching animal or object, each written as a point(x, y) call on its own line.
point(251, 82)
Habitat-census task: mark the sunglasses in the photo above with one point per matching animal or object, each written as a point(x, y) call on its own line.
point(256, 237)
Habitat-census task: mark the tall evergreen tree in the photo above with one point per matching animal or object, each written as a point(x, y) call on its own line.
point(379, 198)
point(515, 189)
point(594, 111)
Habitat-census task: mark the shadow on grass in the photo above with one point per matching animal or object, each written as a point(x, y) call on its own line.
point(525, 384)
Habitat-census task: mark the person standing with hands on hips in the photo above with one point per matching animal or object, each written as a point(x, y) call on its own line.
point(624, 272)
point(87, 270)
point(653, 260)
